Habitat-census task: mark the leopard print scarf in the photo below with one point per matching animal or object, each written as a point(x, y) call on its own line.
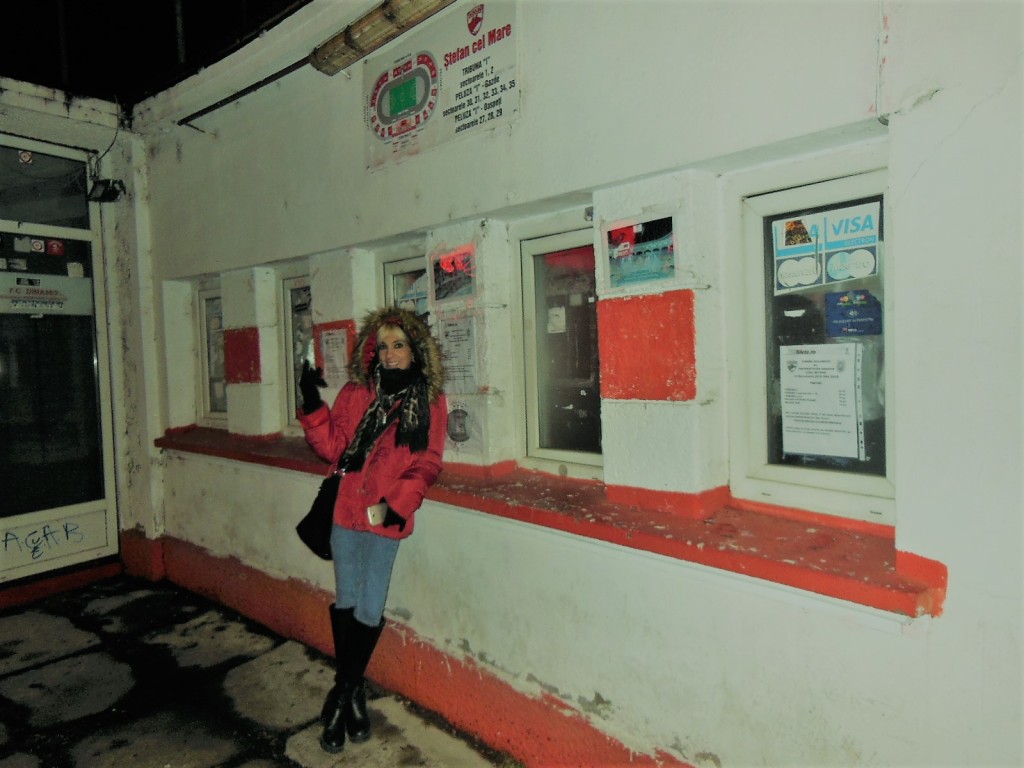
point(411, 406)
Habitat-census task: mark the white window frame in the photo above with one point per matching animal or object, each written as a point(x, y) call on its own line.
point(562, 462)
point(208, 417)
point(857, 496)
point(290, 281)
point(394, 269)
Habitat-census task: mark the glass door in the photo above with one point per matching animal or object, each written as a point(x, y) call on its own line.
point(56, 488)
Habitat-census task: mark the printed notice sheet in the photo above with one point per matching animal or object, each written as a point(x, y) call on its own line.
point(821, 412)
point(457, 337)
point(334, 348)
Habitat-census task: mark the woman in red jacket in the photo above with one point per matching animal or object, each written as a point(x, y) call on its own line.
point(385, 433)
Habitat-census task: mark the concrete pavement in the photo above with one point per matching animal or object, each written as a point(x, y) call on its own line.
point(128, 673)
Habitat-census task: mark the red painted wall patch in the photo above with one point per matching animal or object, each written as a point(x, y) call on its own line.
point(242, 356)
point(648, 347)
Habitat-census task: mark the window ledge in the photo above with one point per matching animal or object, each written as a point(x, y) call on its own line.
point(831, 558)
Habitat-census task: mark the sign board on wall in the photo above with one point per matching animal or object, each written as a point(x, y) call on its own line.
point(454, 76)
point(48, 294)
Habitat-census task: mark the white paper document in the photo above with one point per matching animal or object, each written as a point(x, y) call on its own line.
point(821, 400)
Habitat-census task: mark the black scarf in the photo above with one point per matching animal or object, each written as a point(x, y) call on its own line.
point(399, 394)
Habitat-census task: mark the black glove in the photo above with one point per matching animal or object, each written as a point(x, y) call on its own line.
point(309, 385)
point(393, 518)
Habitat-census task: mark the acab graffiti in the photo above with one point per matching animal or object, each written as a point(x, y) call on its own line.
point(43, 540)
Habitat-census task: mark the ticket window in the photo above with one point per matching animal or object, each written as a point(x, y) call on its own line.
point(298, 299)
point(563, 368)
point(406, 286)
point(825, 350)
point(214, 381)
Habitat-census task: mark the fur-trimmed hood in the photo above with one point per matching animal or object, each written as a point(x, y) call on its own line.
point(426, 352)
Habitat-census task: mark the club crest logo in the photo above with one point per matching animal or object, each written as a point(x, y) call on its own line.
point(475, 18)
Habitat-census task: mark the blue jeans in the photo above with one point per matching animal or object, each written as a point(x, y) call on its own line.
point(362, 571)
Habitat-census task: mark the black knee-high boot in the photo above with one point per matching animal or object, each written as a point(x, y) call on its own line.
point(335, 706)
point(361, 642)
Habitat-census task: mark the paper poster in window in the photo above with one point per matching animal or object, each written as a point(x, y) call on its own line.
point(457, 339)
point(821, 400)
point(641, 252)
point(334, 348)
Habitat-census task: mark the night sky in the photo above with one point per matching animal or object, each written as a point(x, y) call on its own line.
point(126, 50)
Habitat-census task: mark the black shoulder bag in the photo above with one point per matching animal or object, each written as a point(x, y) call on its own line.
point(315, 528)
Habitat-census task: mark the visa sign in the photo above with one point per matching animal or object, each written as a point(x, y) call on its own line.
point(851, 225)
point(837, 229)
point(854, 226)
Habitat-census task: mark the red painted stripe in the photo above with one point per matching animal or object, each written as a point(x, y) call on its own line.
point(36, 588)
point(818, 553)
point(926, 571)
point(880, 530)
point(499, 469)
point(699, 506)
point(543, 731)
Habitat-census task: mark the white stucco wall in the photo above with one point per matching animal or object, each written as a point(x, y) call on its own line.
point(594, 110)
point(662, 652)
point(659, 653)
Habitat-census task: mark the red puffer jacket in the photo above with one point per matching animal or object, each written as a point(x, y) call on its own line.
point(390, 472)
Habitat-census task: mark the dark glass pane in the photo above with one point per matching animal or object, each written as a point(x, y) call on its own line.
point(568, 370)
point(43, 189)
point(50, 446)
point(301, 304)
point(825, 345)
point(409, 290)
point(217, 390)
point(44, 256)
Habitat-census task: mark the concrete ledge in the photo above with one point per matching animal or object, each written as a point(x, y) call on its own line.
point(844, 559)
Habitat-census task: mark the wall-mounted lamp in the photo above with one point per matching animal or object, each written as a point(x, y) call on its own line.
point(370, 31)
point(106, 190)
